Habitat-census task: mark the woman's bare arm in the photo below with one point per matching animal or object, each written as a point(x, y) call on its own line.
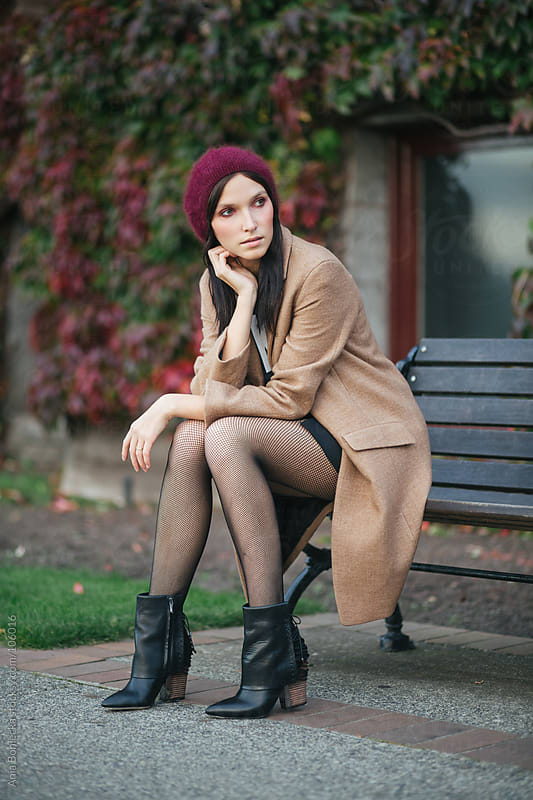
point(238, 331)
point(188, 406)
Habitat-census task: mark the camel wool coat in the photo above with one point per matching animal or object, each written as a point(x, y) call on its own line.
point(326, 362)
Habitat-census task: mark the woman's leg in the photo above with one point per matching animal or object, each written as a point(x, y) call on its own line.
point(163, 644)
point(184, 514)
point(243, 454)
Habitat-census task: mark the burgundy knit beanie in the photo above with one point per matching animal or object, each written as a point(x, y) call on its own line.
point(215, 164)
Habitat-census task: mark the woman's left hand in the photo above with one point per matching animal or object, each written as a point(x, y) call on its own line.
point(144, 431)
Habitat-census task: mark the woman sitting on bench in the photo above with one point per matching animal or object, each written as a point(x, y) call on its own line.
point(311, 409)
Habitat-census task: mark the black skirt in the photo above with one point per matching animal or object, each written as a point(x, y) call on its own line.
point(327, 442)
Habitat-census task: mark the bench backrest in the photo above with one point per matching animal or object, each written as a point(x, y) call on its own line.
point(477, 398)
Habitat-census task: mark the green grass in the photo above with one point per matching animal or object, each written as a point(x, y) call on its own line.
point(25, 487)
point(49, 614)
point(21, 484)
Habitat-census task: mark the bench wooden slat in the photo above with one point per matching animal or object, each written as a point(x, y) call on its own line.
point(449, 514)
point(474, 507)
point(466, 380)
point(482, 442)
point(489, 351)
point(476, 410)
point(484, 475)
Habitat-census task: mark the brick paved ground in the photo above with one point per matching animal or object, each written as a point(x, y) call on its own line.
point(104, 665)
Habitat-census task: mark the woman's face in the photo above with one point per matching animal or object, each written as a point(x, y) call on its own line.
point(243, 220)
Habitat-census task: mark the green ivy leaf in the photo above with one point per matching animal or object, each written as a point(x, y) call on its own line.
point(294, 73)
point(325, 144)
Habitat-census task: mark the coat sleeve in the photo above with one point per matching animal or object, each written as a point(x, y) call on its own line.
point(209, 364)
point(325, 312)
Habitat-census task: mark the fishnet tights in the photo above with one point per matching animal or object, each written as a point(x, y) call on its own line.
point(246, 456)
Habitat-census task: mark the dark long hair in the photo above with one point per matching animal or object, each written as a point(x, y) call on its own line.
point(270, 277)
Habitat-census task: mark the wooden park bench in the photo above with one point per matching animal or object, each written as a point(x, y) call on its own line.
point(477, 399)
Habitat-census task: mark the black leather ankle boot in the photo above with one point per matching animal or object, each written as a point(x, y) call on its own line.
point(163, 649)
point(274, 664)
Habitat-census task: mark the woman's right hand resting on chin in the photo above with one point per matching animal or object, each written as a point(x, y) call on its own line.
point(229, 270)
point(244, 284)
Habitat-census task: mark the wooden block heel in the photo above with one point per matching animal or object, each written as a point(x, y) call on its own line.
point(293, 695)
point(174, 688)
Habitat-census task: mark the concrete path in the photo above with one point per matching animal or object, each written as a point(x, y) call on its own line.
point(450, 719)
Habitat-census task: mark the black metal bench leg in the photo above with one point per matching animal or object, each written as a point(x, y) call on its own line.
point(394, 640)
point(318, 560)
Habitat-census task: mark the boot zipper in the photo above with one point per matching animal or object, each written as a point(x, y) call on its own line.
point(169, 630)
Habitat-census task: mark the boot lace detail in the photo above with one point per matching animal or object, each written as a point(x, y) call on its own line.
point(189, 647)
point(300, 648)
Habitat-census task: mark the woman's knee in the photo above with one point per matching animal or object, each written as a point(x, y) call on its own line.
point(188, 440)
point(225, 436)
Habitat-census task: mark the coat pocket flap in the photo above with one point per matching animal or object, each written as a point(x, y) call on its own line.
point(388, 434)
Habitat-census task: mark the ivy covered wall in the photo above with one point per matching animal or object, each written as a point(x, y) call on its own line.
point(105, 105)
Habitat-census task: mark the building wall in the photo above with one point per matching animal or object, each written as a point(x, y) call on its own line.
point(364, 227)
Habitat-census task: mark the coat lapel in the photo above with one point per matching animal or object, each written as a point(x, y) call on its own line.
point(287, 248)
